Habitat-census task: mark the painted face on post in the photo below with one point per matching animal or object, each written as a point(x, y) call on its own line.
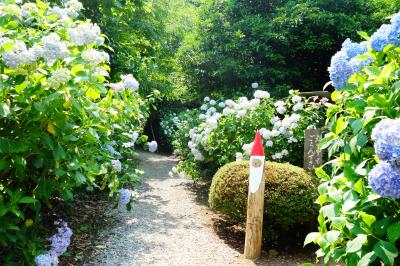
point(256, 163)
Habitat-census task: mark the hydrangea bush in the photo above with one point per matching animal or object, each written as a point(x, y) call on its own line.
point(222, 131)
point(359, 220)
point(62, 124)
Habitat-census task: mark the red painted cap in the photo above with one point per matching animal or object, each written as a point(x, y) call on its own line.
point(258, 149)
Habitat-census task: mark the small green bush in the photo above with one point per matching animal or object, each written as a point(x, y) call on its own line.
point(289, 195)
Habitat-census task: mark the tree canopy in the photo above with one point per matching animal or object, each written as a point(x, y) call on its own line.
point(282, 45)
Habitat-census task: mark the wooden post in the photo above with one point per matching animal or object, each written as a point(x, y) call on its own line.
point(255, 203)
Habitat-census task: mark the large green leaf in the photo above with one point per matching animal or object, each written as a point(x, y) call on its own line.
point(356, 244)
point(393, 232)
point(312, 237)
point(367, 259)
point(386, 251)
point(367, 218)
point(341, 124)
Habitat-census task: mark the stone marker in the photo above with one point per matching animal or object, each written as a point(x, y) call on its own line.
point(312, 155)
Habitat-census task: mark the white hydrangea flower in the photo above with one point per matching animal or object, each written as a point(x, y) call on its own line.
point(204, 107)
point(277, 156)
point(12, 58)
point(101, 71)
point(244, 105)
point(58, 77)
point(130, 82)
point(191, 145)
point(212, 122)
point(254, 85)
point(207, 99)
point(28, 9)
point(12, 9)
point(128, 144)
point(212, 102)
point(228, 111)
point(230, 103)
point(281, 109)
point(295, 117)
point(73, 8)
point(19, 55)
point(211, 110)
point(94, 57)
point(53, 48)
point(241, 113)
point(275, 133)
point(182, 175)
point(117, 166)
point(298, 107)
point(134, 137)
point(153, 146)
point(254, 103)
point(274, 120)
point(84, 34)
point(198, 156)
point(296, 99)
point(117, 87)
point(259, 94)
point(269, 143)
point(222, 104)
point(243, 99)
point(267, 134)
point(247, 148)
point(61, 13)
point(239, 156)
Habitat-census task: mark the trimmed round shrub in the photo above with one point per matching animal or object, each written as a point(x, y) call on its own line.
point(290, 193)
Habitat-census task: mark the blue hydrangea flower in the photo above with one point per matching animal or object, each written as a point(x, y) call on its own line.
point(353, 49)
point(385, 35)
point(47, 259)
point(384, 179)
point(43, 260)
point(61, 240)
point(357, 64)
point(386, 135)
point(59, 243)
point(395, 20)
point(340, 70)
point(125, 197)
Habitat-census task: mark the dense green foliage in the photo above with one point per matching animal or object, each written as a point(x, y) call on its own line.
point(57, 116)
point(144, 36)
point(282, 45)
point(289, 195)
point(356, 225)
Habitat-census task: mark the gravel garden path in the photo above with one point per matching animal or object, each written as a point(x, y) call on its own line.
point(166, 225)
